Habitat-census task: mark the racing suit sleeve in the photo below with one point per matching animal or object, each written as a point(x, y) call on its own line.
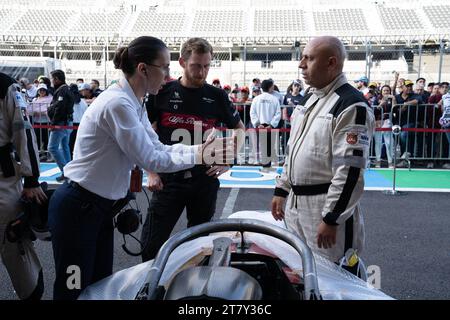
point(282, 184)
point(350, 151)
point(23, 137)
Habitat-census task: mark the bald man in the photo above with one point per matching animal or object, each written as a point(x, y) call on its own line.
point(327, 152)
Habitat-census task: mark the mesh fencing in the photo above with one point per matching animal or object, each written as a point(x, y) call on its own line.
point(237, 64)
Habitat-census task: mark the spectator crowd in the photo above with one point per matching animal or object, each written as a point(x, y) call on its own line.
point(262, 105)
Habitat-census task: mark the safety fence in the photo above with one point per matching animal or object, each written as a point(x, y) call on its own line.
point(238, 64)
point(421, 136)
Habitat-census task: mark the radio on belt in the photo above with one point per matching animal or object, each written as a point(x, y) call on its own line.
point(136, 179)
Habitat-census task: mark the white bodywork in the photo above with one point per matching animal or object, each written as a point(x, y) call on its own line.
point(334, 282)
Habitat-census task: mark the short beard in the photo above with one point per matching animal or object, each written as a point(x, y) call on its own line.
point(194, 82)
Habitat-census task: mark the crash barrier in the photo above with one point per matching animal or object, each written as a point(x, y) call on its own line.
point(421, 137)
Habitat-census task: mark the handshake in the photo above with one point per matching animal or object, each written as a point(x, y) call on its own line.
point(217, 151)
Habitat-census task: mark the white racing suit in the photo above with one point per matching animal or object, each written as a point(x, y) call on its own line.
point(16, 134)
point(323, 175)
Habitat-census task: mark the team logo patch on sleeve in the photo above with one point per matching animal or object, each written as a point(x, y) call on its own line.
point(357, 138)
point(352, 138)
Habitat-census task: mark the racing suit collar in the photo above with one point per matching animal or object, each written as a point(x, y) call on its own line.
point(336, 83)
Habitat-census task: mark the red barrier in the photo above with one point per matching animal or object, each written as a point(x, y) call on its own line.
point(416, 130)
point(47, 126)
point(41, 126)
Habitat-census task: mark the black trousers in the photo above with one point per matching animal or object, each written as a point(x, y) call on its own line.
point(82, 228)
point(197, 194)
point(72, 138)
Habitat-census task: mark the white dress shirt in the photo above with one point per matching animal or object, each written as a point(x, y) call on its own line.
point(115, 135)
point(265, 108)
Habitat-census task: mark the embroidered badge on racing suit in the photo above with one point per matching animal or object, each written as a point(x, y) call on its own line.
point(352, 138)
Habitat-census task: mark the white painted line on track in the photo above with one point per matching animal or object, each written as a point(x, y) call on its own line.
point(229, 204)
point(407, 189)
point(248, 186)
point(253, 186)
point(50, 172)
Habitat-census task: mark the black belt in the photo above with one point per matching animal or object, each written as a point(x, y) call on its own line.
point(186, 174)
point(90, 195)
point(311, 190)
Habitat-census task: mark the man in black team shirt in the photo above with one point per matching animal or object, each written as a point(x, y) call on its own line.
point(184, 104)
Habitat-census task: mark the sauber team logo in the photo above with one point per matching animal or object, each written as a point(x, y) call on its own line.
point(352, 138)
point(185, 121)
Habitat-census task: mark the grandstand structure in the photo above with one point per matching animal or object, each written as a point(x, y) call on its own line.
point(251, 38)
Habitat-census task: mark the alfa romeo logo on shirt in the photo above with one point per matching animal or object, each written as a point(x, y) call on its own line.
point(175, 106)
point(352, 138)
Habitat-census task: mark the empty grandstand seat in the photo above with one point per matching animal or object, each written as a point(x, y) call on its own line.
point(153, 22)
point(348, 20)
point(98, 22)
point(280, 21)
point(173, 3)
point(439, 16)
point(7, 17)
point(213, 22)
point(219, 3)
point(44, 22)
point(396, 19)
point(270, 3)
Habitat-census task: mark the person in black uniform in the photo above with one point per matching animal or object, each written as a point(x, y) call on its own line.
point(194, 106)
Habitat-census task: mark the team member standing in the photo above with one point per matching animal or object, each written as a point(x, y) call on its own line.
point(327, 153)
point(179, 105)
point(60, 113)
point(16, 134)
point(115, 135)
point(79, 108)
point(265, 113)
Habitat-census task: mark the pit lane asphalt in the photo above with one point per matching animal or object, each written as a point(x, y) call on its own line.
point(407, 237)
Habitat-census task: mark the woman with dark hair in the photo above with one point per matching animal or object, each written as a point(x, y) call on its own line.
point(114, 137)
point(37, 109)
point(48, 83)
point(383, 119)
point(291, 99)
